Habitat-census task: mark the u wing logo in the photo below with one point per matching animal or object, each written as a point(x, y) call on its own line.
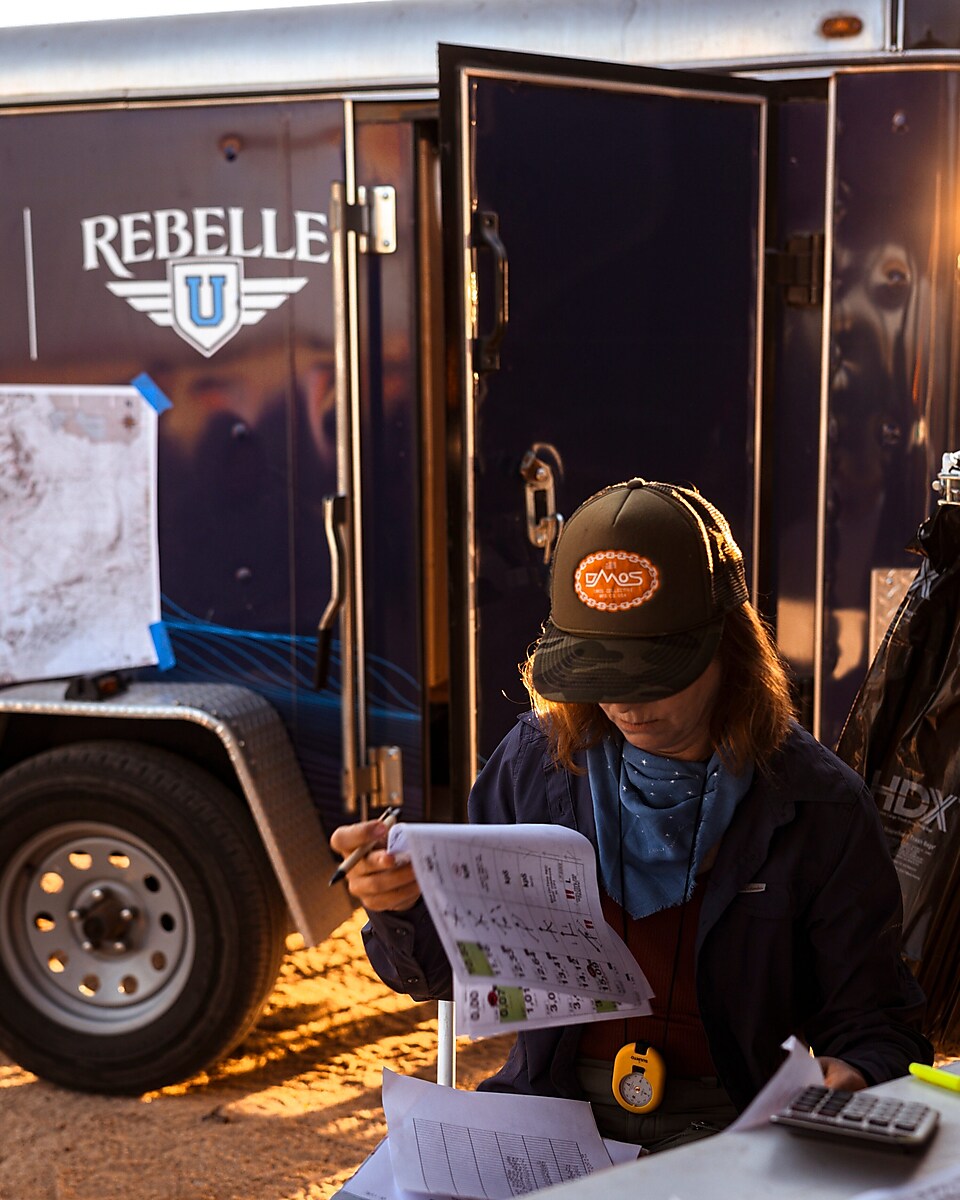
point(206, 300)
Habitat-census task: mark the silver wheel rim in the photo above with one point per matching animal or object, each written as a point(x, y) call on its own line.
point(99, 936)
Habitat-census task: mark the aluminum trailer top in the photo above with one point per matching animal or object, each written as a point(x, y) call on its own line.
point(391, 44)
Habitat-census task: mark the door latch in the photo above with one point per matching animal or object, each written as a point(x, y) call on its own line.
point(486, 237)
point(334, 523)
point(543, 520)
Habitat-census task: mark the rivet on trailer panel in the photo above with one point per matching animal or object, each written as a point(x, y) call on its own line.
point(230, 147)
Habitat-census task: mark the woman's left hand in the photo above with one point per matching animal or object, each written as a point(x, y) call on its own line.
point(838, 1074)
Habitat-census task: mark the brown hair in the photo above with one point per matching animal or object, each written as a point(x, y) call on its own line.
point(748, 725)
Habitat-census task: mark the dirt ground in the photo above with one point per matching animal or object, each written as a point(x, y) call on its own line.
point(289, 1116)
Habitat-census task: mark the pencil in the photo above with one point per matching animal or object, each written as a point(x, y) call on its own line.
point(387, 818)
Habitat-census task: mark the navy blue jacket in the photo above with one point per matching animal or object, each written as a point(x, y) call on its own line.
point(799, 927)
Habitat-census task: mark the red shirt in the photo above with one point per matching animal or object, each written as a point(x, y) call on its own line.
point(653, 941)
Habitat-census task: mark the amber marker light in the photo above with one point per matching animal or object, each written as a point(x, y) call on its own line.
point(843, 26)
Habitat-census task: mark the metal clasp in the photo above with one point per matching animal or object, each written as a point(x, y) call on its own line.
point(543, 520)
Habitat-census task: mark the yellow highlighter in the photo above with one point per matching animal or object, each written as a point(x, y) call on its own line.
point(944, 1079)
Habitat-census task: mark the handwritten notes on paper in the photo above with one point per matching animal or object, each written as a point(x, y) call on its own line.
point(517, 909)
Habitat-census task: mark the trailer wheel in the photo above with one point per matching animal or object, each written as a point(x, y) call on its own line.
point(141, 928)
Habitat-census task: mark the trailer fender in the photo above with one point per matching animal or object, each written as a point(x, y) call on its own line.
point(261, 757)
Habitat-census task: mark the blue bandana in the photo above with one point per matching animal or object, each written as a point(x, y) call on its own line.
point(646, 810)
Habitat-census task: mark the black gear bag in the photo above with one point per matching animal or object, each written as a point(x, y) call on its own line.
point(903, 736)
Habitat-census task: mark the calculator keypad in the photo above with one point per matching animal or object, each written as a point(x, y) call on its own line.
point(879, 1119)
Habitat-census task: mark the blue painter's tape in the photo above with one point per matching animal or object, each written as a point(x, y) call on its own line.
point(164, 647)
point(151, 393)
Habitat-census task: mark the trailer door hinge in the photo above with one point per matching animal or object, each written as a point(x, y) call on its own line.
point(373, 219)
point(798, 269)
point(381, 779)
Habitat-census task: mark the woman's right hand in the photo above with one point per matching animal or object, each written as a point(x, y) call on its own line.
point(380, 881)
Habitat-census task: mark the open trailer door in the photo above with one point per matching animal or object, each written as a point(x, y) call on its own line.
point(604, 235)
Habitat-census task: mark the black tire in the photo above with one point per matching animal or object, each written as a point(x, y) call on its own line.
point(141, 927)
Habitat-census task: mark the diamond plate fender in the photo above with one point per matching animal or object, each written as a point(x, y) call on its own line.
point(262, 757)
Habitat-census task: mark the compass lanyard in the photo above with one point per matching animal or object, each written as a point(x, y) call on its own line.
point(639, 1076)
point(683, 908)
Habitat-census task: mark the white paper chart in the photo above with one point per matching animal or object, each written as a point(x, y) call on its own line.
point(518, 911)
point(492, 1162)
point(374, 1180)
point(486, 1146)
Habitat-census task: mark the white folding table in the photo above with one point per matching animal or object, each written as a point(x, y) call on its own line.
point(771, 1163)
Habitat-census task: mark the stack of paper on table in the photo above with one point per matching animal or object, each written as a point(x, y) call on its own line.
point(491, 1146)
point(517, 909)
point(478, 1145)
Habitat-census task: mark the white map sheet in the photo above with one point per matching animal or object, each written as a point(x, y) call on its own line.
point(517, 909)
point(79, 563)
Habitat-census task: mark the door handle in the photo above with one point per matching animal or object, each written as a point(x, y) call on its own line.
point(486, 347)
point(334, 524)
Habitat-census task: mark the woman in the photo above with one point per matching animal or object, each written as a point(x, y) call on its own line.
point(740, 860)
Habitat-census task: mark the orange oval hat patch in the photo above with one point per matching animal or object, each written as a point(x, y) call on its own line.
point(615, 580)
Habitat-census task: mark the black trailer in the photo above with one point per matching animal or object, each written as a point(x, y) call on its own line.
point(412, 280)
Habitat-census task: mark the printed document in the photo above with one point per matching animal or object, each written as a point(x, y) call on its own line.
point(517, 909)
point(485, 1145)
point(375, 1181)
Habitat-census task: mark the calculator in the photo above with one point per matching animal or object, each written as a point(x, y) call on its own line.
point(860, 1116)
